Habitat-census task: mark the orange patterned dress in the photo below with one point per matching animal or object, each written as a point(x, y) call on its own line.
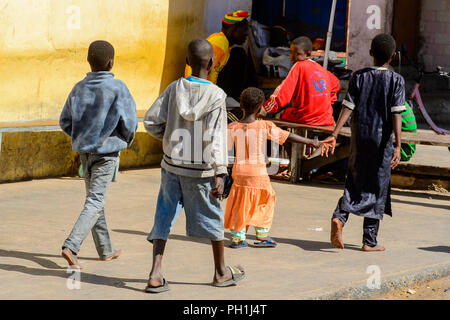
point(252, 199)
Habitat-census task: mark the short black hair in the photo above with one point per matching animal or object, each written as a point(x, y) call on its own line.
point(252, 99)
point(383, 47)
point(303, 43)
point(99, 54)
point(200, 52)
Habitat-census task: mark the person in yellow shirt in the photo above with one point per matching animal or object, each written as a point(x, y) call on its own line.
point(234, 32)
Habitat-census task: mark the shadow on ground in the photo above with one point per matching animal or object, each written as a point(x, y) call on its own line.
point(428, 205)
point(416, 195)
point(445, 249)
point(85, 277)
point(307, 245)
point(394, 192)
point(37, 258)
point(54, 270)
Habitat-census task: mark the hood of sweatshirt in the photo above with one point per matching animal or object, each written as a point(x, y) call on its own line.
point(96, 78)
point(196, 98)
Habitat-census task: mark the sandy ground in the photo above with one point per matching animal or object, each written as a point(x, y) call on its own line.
point(434, 290)
point(38, 215)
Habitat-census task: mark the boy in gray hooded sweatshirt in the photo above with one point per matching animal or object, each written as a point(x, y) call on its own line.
point(100, 117)
point(190, 117)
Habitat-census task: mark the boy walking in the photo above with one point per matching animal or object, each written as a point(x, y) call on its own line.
point(376, 100)
point(311, 88)
point(190, 117)
point(100, 117)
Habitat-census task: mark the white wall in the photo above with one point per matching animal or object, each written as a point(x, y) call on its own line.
point(360, 35)
point(216, 9)
point(435, 34)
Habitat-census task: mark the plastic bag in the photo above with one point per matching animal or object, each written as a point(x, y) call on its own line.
point(277, 62)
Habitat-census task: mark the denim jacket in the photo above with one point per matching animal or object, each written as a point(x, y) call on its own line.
point(100, 115)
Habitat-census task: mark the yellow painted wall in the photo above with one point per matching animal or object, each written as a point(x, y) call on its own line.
point(43, 49)
point(43, 53)
point(185, 23)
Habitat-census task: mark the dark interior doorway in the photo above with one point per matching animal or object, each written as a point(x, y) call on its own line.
point(305, 18)
point(406, 26)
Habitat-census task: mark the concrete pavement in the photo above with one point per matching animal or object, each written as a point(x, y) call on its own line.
point(38, 215)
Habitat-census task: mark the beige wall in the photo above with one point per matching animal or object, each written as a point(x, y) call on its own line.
point(360, 35)
point(43, 47)
point(435, 34)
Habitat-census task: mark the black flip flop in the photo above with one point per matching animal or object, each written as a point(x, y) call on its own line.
point(237, 275)
point(163, 288)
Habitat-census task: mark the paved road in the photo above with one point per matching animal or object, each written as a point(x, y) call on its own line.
point(37, 216)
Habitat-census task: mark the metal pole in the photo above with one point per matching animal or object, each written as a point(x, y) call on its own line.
point(330, 34)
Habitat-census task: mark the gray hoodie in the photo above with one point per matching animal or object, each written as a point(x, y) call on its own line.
point(190, 118)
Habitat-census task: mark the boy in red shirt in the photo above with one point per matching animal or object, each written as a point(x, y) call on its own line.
point(311, 88)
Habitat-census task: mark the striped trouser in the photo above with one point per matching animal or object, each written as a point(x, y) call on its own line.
point(240, 236)
point(409, 125)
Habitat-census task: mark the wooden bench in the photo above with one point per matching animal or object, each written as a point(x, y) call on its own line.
point(301, 164)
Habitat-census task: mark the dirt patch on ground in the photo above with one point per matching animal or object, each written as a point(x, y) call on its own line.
point(433, 290)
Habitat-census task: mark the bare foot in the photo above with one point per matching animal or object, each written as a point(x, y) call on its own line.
point(336, 233)
point(155, 281)
point(116, 255)
point(373, 249)
point(157, 284)
point(70, 258)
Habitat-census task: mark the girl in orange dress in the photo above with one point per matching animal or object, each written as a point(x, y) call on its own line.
point(252, 200)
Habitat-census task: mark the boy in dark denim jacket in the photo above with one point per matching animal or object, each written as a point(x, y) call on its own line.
point(100, 117)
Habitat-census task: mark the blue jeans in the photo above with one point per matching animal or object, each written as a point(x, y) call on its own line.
point(98, 171)
point(204, 213)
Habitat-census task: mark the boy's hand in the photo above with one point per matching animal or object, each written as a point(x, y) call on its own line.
point(325, 148)
point(328, 145)
point(316, 143)
point(396, 158)
point(217, 192)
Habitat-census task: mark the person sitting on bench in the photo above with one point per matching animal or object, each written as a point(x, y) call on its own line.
point(311, 88)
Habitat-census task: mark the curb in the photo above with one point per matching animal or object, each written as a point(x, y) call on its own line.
point(394, 282)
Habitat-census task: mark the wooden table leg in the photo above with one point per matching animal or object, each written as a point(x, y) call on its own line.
point(341, 152)
point(298, 151)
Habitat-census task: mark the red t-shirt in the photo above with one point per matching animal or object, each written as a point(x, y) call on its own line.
point(312, 89)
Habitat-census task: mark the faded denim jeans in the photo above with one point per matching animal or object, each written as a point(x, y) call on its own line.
point(98, 171)
point(204, 214)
